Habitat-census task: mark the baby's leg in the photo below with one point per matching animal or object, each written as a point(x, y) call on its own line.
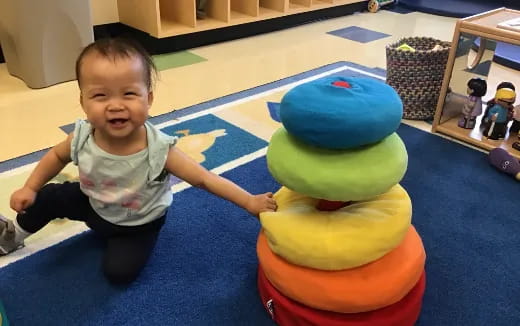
point(52, 201)
point(126, 255)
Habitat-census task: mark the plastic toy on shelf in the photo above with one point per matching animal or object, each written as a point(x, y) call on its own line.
point(498, 115)
point(472, 108)
point(375, 5)
point(515, 126)
point(505, 162)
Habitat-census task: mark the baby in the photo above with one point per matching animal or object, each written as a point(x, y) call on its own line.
point(124, 164)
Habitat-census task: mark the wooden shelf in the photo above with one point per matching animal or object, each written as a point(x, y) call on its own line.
point(296, 7)
point(179, 11)
point(165, 18)
point(449, 107)
point(241, 18)
point(217, 9)
point(266, 13)
point(304, 3)
point(247, 7)
point(278, 5)
point(474, 137)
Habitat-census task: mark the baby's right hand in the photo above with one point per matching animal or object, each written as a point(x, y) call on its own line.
point(22, 199)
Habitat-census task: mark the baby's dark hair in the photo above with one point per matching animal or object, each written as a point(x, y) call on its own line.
point(478, 86)
point(506, 85)
point(119, 48)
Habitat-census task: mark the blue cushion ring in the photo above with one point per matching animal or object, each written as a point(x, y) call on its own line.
point(340, 113)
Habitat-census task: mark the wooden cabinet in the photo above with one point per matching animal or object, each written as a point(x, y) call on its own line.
point(166, 18)
point(464, 56)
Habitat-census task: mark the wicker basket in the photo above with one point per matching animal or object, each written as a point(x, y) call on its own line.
point(417, 76)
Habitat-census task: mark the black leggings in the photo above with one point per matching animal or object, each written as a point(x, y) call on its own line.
point(127, 248)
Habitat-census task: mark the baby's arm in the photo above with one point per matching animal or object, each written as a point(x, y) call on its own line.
point(49, 166)
point(183, 167)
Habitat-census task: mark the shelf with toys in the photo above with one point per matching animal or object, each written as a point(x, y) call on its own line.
point(165, 18)
point(478, 103)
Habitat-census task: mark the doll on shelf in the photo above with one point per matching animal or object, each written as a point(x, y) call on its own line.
point(485, 121)
point(477, 88)
point(498, 114)
point(515, 126)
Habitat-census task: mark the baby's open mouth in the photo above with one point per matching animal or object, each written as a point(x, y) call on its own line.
point(117, 122)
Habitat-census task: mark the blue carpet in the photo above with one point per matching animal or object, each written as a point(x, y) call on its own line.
point(457, 8)
point(203, 271)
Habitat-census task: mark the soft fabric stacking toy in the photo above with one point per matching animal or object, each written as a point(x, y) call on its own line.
point(340, 249)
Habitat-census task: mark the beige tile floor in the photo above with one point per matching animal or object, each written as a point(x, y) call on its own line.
point(30, 119)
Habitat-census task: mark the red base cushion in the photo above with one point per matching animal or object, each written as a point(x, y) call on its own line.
point(286, 312)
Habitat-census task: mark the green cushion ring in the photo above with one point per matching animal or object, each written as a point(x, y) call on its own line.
point(337, 175)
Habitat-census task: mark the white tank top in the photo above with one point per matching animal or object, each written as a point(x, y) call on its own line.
point(124, 190)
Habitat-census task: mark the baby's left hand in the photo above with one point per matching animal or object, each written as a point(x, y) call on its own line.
point(261, 203)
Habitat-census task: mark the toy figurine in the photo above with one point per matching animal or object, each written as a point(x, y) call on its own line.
point(485, 122)
point(516, 145)
point(505, 162)
point(515, 126)
point(498, 114)
point(375, 5)
point(477, 88)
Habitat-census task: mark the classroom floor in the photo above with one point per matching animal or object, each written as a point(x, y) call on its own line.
point(31, 119)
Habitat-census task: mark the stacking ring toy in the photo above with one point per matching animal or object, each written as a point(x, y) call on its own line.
point(345, 238)
point(365, 288)
point(287, 312)
point(337, 175)
point(338, 113)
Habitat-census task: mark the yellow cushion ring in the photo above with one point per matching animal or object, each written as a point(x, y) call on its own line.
point(336, 175)
point(346, 238)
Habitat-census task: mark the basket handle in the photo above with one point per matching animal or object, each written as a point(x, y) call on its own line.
point(480, 53)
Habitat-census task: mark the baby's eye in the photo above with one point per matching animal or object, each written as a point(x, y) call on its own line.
point(130, 94)
point(97, 95)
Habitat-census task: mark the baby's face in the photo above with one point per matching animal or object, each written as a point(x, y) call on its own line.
point(114, 95)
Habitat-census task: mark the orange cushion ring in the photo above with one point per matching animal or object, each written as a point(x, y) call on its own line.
point(287, 312)
point(364, 288)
